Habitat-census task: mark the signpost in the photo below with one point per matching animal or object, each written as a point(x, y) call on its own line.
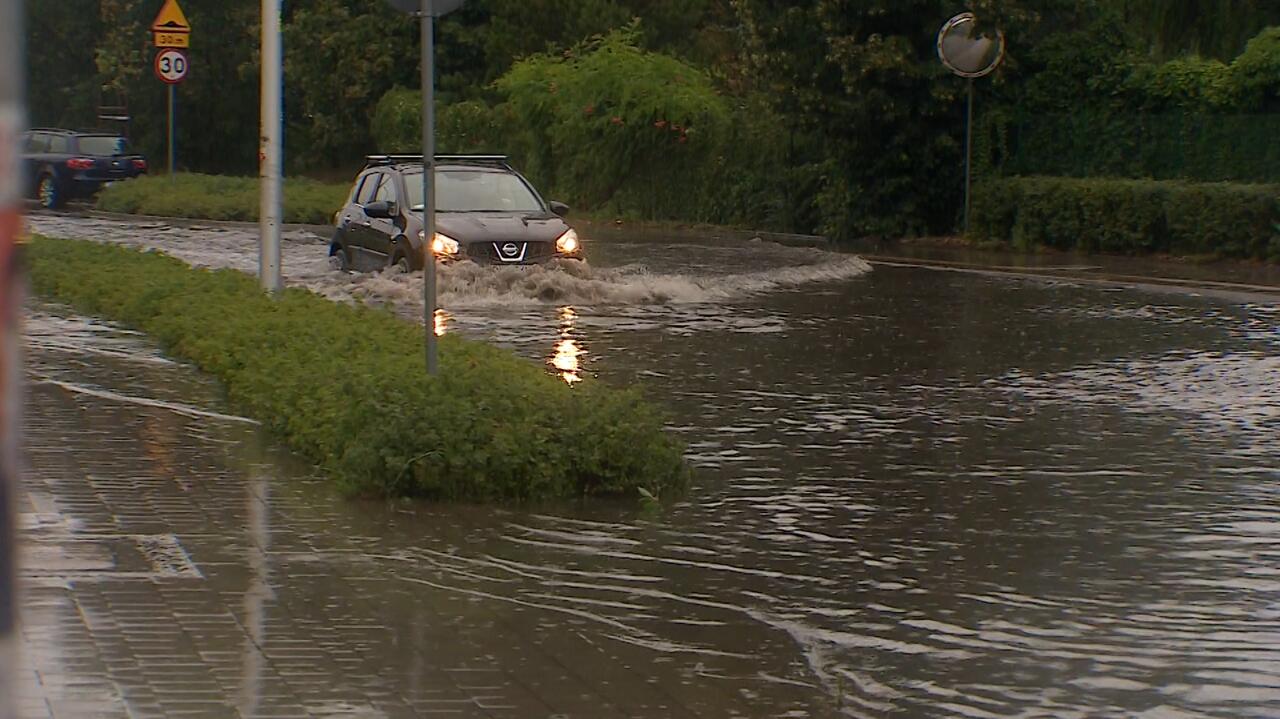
point(171, 33)
point(427, 11)
point(969, 55)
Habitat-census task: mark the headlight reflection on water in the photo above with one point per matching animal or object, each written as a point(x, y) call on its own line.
point(566, 359)
point(568, 353)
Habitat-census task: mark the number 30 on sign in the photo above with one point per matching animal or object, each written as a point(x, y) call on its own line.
point(171, 66)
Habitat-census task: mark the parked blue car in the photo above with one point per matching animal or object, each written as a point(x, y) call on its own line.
point(62, 165)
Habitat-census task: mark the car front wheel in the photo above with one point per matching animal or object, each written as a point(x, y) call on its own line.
point(338, 259)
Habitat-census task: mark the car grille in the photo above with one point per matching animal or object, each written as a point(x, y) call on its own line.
point(502, 253)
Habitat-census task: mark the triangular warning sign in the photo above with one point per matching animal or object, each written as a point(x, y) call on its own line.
point(171, 19)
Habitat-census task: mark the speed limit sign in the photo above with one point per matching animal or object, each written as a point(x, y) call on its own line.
point(171, 65)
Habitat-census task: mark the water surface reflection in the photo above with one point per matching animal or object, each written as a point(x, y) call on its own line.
point(567, 358)
point(919, 494)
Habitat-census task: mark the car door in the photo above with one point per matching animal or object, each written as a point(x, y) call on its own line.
point(383, 229)
point(350, 214)
point(359, 226)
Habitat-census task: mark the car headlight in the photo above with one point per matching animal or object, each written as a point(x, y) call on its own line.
point(568, 242)
point(442, 245)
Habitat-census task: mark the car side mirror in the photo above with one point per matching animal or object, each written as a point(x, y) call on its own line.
point(386, 209)
point(559, 208)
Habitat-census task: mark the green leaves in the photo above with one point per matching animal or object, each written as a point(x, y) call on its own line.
point(607, 114)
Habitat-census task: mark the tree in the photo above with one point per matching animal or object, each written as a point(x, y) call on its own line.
point(213, 135)
point(341, 56)
point(1218, 29)
point(62, 78)
point(878, 118)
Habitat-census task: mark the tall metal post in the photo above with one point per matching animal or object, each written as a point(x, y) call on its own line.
point(12, 120)
point(968, 160)
point(429, 184)
point(172, 123)
point(271, 152)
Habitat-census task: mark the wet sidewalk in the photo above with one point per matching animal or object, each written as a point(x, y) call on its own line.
point(177, 565)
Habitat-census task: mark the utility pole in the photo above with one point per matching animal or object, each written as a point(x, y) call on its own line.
point(12, 119)
point(429, 184)
point(270, 152)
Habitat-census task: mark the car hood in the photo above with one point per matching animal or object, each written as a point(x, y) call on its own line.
point(470, 227)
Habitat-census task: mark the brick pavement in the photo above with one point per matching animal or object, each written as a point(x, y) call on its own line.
point(178, 565)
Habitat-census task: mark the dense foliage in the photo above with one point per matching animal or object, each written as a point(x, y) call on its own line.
point(346, 386)
point(605, 124)
point(823, 115)
point(1131, 216)
point(220, 197)
point(1096, 102)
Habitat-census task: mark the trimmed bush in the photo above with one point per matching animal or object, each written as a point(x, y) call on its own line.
point(1130, 216)
point(218, 197)
point(346, 386)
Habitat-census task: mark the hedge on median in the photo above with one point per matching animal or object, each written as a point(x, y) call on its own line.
point(1130, 216)
point(217, 197)
point(346, 385)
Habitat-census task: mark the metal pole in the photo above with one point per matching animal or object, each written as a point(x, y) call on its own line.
point(968, 160)
point(172, 99)
point(11, 122)
point(429, 184)
point(270, 153)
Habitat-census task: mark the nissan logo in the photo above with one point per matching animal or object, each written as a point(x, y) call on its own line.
point(510, 249)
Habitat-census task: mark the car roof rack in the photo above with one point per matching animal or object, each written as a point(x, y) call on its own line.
point(486, 160)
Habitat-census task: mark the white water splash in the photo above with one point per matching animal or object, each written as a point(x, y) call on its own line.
point(465, 284)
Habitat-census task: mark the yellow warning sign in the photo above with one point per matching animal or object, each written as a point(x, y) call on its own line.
point(171, 19)
point(173, 39)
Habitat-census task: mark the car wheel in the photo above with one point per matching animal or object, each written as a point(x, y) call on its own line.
point(47, 192)
point(338, 259)
point(402, 265)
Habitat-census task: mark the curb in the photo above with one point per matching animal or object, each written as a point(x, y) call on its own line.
point(1077, 274)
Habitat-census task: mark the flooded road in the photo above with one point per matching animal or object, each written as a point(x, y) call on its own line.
point(918, 493)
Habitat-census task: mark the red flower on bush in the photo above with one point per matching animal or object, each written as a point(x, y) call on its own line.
point(589, 110)
point(616, 120)
point(660, 124)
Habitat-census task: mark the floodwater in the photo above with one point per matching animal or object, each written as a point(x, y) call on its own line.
point(917, 494)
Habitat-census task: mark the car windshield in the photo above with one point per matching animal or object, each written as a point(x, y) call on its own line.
point(474, 191)
point(102, 146)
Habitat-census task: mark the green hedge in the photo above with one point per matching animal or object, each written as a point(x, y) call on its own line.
point(346, 385)
point(217, 197)
point(1130, 216)
point(1110, 143)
